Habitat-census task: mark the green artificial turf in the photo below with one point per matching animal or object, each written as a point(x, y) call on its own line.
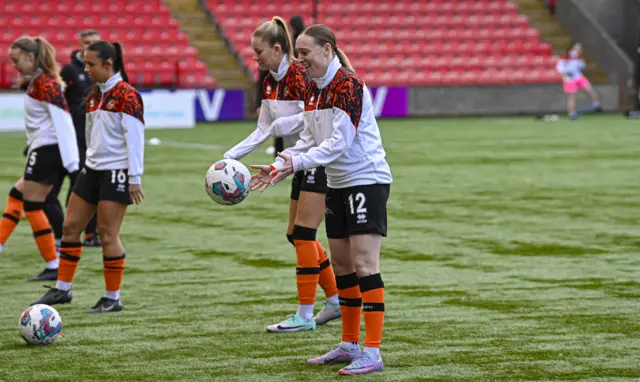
point(513, 254)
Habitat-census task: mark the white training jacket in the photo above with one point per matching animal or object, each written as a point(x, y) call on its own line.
point(47, 119)
point(571, 67)
point(115, 128)
point(340, 132)
point(280, 111)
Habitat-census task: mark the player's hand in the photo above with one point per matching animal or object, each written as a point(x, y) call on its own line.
point(262, 179)
point(280, 173)
point(258, 111)
point(135, 191)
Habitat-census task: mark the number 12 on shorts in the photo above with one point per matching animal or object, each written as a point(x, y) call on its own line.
point(360, 199)
point(118, 175)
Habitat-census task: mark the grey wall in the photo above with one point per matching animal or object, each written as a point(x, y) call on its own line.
point(597, 43)
point(501, 100)
point(631, 29)
point(609, 14)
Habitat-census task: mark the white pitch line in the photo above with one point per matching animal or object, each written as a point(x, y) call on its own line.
point(187, 145)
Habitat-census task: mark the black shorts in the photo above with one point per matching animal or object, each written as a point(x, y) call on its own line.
point(356, 210)
point(94, 186)
point(44, 165)
point(314, 180)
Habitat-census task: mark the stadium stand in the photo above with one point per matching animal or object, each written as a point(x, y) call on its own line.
point(157, 53)
point(404, 42)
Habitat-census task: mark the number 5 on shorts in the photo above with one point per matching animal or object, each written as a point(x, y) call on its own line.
point(120, 176)
point(32, 159)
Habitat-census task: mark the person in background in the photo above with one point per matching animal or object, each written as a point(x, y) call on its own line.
point(78, 84)
point(570, 66)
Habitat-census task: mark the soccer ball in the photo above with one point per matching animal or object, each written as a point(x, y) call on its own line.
point(40, 325)
point(228, 182)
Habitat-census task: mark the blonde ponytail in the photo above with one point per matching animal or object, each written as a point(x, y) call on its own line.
point(46, 59)
point(276, 32)
point(344, 60)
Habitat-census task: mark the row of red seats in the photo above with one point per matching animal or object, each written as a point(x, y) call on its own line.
point(122, 3)
point(367, 22)
point(475, 49)
point(129, 39)
point(215, 4)
point(489, 77)
point(264, 10)
point(95, 22)
point(422, 8)
point(432, 22)
point(147, 50)
point(20, 8)
point(185, 79)
point(408, 2)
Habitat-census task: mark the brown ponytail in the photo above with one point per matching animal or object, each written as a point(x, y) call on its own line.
point(322, 34)
point(274, 32)
point(118, 62)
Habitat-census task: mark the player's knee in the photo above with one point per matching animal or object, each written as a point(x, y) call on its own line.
point(341, 263)
point(71, 228)
point(107, 236)
point(303, 233)
point(366, 264)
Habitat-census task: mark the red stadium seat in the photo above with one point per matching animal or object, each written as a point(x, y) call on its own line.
point(146, 30)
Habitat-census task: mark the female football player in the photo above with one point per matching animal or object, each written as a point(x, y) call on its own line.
point(341, 133)
point(571, 66)
point(51, 147)
point(111, 177)
point(281, 115)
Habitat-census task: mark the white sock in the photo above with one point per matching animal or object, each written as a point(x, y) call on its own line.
point(350, 346)
point(0, 248)
point(373, 352)
point(115, 295)
point(53, 264)
point(335, 300)
point(305, 311)
point(63, 285)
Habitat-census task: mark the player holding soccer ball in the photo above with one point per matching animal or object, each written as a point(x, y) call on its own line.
point(341, 133)
point(281, 116)
point(111, 177)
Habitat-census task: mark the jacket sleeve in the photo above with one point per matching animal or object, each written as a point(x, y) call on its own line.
point(347, 110)
point(66, 137)
point(255, 139)
point(289, 125)
point(344, 132)
point(63, 126)
point(303, 144)
point(133, 125)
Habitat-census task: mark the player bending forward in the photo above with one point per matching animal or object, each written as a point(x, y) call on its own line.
point(341, 133)
point(281, 115)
